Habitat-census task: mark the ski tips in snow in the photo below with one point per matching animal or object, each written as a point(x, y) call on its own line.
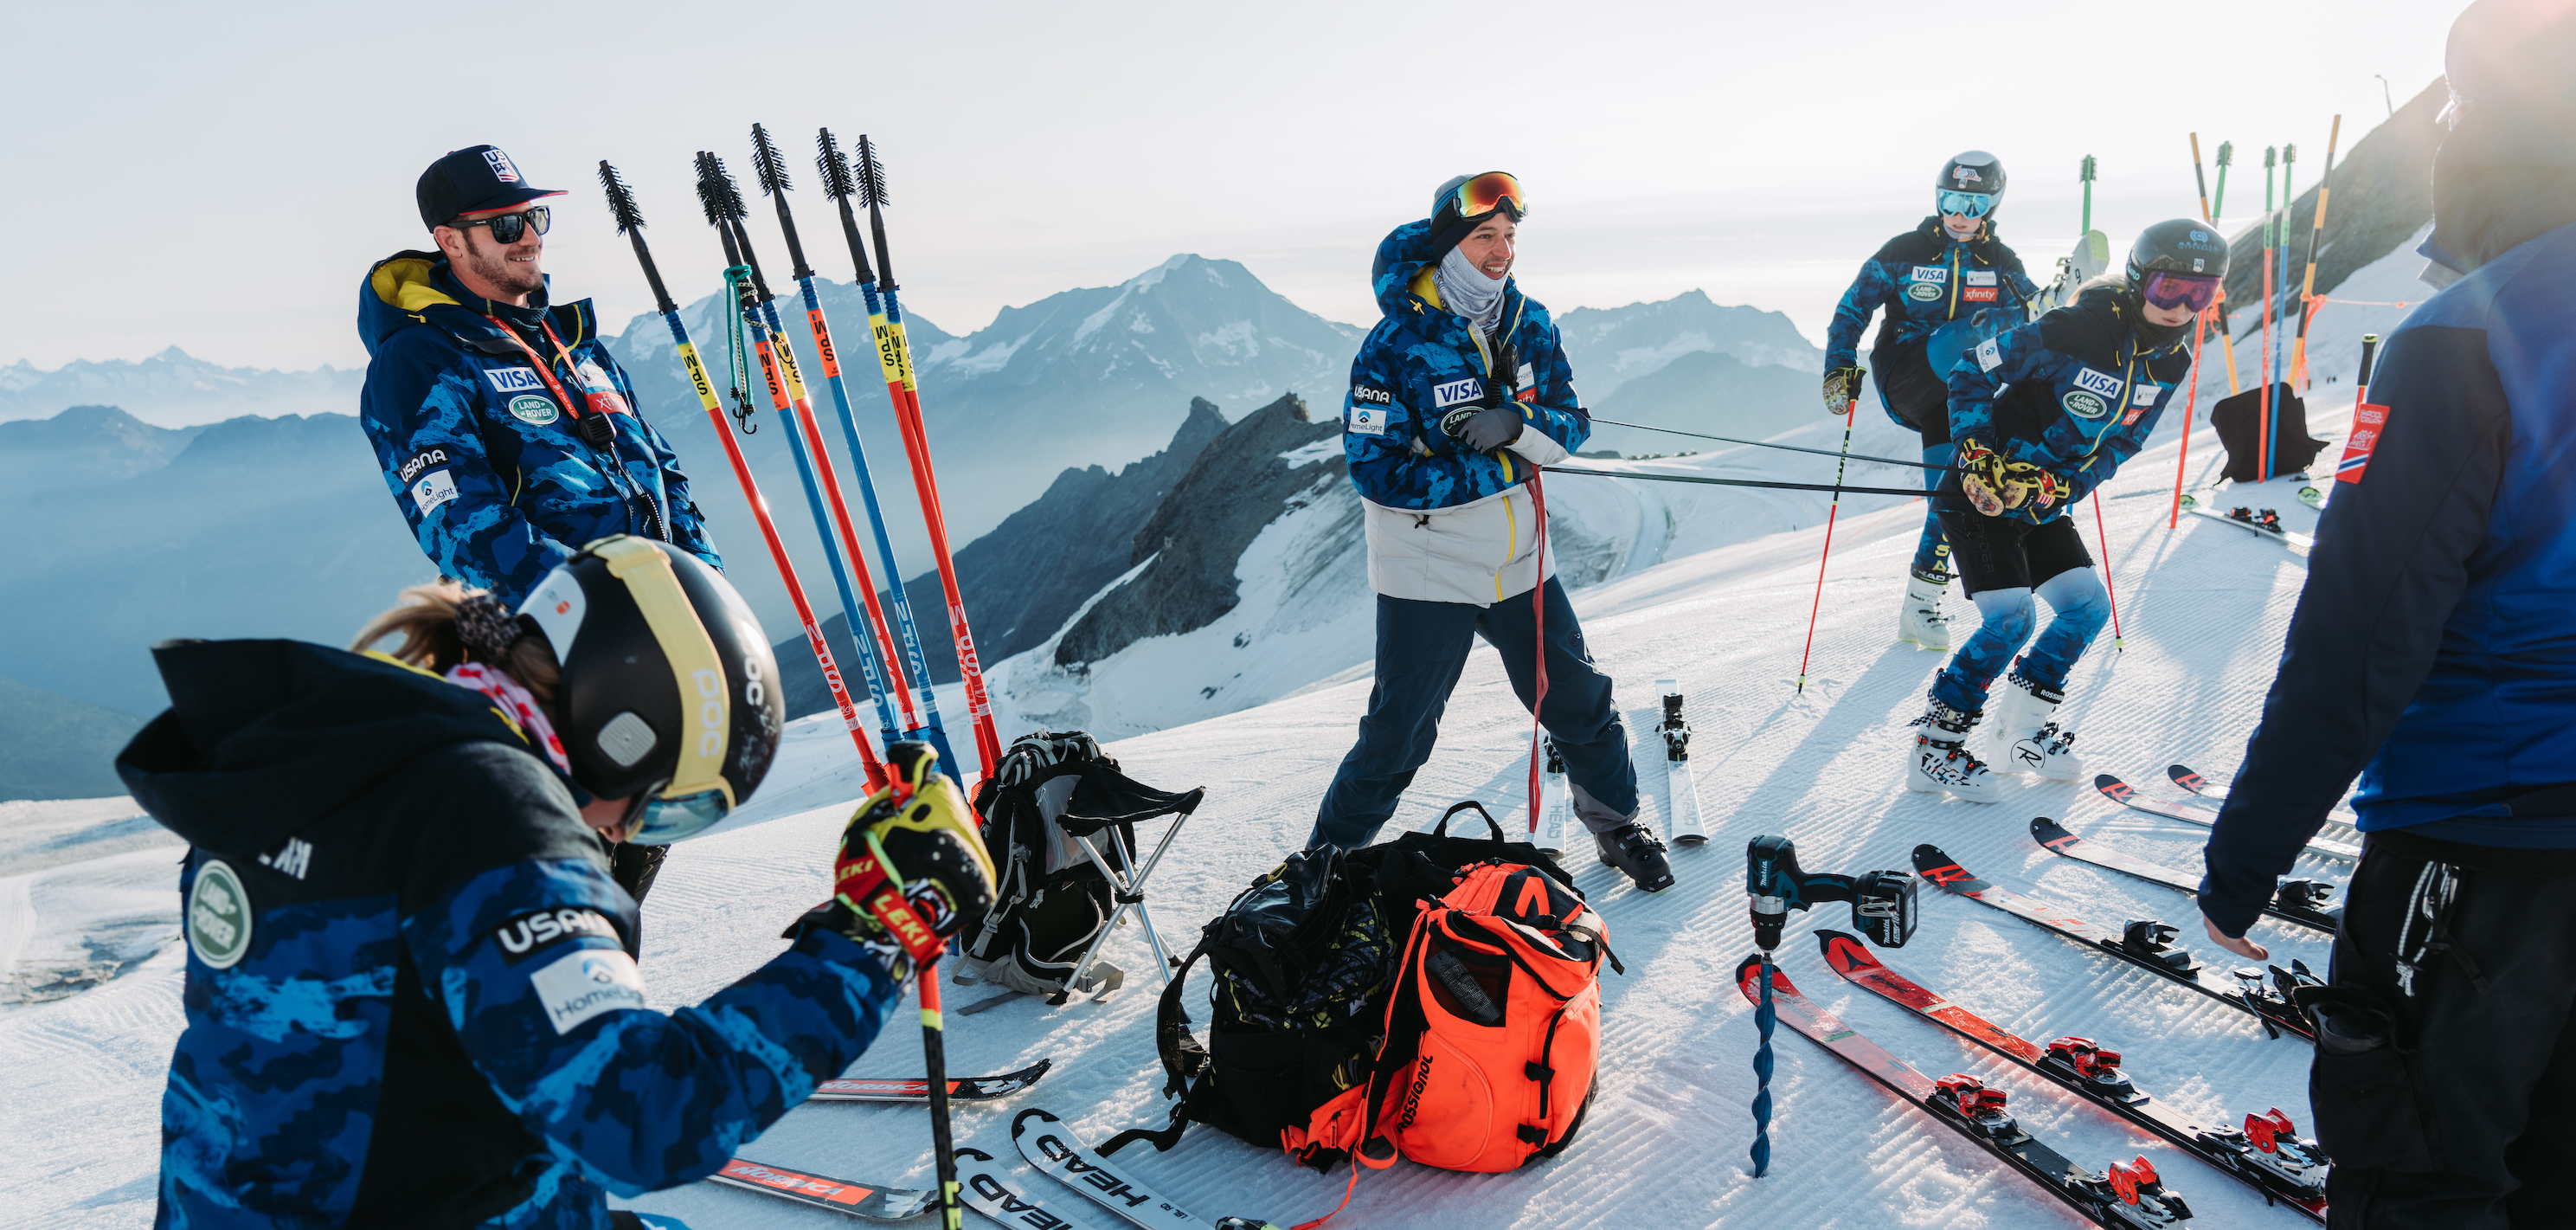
point(823, 1192)
point(621, 200)
point(833, 166)
point(766, 163)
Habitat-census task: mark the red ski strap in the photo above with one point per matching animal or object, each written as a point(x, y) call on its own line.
point(866, 886)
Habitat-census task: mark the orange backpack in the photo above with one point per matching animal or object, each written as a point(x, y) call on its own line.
point(1493, 1035)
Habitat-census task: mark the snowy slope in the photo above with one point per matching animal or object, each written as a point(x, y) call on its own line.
point(2203, 608)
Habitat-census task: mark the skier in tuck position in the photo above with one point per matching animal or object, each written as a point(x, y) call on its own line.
point(2042, 415)
point(1456, 398)
point(411, 993)
point(1946, 285)
point(2429, 655)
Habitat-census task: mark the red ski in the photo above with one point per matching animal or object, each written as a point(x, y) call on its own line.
point(917, 1089)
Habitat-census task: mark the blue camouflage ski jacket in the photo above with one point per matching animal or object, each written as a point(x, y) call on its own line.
point(2075, 392)
point(2431, 652)
point(1925, 280)
point(411, 993)
point(1423, 360)
point(486, 468)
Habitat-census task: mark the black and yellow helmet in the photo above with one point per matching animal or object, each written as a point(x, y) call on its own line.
point(669, 691)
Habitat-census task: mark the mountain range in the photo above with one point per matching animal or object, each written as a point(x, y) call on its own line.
point(174, 389)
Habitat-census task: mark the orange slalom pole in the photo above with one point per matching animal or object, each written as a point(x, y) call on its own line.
point(2190, 406)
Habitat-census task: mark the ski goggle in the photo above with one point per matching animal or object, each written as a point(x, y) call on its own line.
point(2180, 290)
point(510, 228)
point(1970, 204)
point(656, 821)
point(1491, 191)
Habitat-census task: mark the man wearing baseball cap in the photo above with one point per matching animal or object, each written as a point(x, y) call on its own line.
point(508, 435)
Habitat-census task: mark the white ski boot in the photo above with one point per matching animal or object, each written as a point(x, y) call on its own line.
point(1942, 761)
point(1921, 620)
point(2028, 737)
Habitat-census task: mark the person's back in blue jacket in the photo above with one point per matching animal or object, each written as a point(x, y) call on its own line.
point(2433, 654)
point(508, 435)
point(1945, 285)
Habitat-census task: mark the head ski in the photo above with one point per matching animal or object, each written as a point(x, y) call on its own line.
point(2122, 793)
point(2146, 943)
point(1054, 1150)
point(2127, 1197)
point(987, 1189)
point(1684, 820)
point(2267, 1155)
point(817, 1191)
point(2304, 902)
point(915, 1089)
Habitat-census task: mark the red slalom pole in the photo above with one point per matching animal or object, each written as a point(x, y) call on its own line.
point(2190, 404)
point(1828, 553)
point(1538, 625)
point(2103, 536)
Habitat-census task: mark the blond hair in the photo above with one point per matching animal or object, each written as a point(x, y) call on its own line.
point(426, 620)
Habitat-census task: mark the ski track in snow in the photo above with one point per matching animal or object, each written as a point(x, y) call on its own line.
point(2202, 607)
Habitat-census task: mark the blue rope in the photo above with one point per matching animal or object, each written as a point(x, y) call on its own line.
point(1764, 1017)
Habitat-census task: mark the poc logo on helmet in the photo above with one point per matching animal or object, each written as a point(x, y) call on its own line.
point(710, 711)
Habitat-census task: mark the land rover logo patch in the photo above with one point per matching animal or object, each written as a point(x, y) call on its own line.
point(218, 916)
point(2084, 405)
point(1923, 292)
point(536, 410)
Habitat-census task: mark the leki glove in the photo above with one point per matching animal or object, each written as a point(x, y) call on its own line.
point(912, 868)
point(1842, 388)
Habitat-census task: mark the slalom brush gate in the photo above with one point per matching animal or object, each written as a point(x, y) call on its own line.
point(630, 222)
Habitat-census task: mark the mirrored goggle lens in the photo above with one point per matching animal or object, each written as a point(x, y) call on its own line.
point(2181, 290)
point(1971, 204)
point(669, 820)
point(1491, 191)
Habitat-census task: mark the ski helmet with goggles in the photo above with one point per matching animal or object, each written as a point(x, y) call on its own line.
point(1971, 184)
point(2186, 247)
point(1465, 200)
point(669, 691)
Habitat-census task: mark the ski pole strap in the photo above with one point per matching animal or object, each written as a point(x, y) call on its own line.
point(868, 886)
point(1910, 492)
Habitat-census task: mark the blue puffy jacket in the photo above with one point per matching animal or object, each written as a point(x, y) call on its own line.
point(1925, 280)
point(411, 991)
point(483, 463)
point(2433, 651)
point(2075, 392)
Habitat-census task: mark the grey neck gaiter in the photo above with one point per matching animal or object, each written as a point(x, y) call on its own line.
point(1466, 290)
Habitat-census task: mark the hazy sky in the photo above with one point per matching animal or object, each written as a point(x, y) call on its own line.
point(220, 176)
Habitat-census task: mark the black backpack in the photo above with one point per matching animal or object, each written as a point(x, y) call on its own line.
point(2239, 420)
point(1052, 903)
point(1304, 961)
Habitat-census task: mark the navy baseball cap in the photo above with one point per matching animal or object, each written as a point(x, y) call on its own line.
point(473, 180)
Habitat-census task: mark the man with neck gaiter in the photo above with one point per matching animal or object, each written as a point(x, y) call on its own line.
point(508, 435)
point(1457, 396)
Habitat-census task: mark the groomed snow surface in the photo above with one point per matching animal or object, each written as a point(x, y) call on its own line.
point(1715, 589)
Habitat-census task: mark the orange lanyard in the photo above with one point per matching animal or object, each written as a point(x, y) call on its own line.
point(545, 372)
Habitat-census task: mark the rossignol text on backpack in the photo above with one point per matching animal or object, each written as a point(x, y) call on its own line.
point(1493, 1034)
point(1060, 822)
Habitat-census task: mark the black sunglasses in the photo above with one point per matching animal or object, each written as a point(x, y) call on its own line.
point(510, 228)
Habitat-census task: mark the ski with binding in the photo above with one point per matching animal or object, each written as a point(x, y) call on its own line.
point(2127, 1197)
point(2299, 901)
point(1687, 828)
point(2122, 793)
point(2265, 524)
point(1054, 1150)
point(2267, 1155)
point(2145, 943)
point(821, 1192)
point(985, 1188)
point(916, 1089)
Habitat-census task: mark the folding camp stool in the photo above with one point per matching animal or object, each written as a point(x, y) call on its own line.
point(1110, 804)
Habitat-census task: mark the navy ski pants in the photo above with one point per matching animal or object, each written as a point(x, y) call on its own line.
point(1421, 648)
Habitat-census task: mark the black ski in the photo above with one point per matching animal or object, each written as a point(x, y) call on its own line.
point(820, 1192)
point(2267, 1155)
point(2125, 795)
point(2263, 524)
point(2145, 943)
point(917, 1090)
point(2127, 1197)
point(2300, 901)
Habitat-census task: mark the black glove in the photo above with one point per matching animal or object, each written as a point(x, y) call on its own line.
point(1842, 387)
point(1483, 428)
point(912, 869)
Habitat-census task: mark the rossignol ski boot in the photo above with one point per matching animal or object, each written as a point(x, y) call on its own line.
point(1941, 759)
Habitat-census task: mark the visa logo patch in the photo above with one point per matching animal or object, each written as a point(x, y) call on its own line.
point(507, 380)
point(1934, 274)
point(1457, 391)
point(2102, 384)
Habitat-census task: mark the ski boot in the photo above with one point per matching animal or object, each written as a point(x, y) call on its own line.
point(2028, 737)
point(1920, 620)
point(1637, 853)
point(1942, 761)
